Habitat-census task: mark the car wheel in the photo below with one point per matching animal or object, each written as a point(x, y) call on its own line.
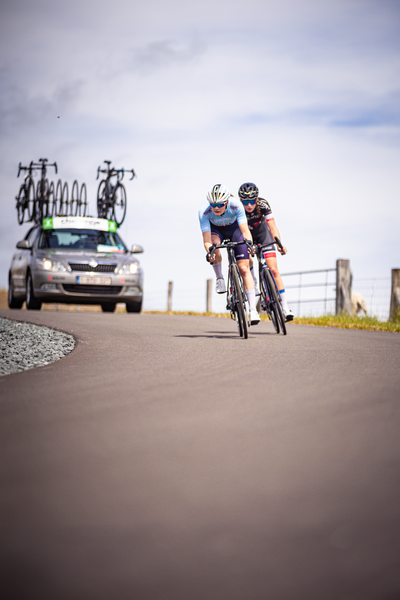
point(32, 303)
point(134, 307)
point(12, 301)
point(108, 307)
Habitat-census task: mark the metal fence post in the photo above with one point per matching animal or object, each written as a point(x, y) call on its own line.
point(395, 294)
point(208, 295)
point(343, 286)
point(169, 303)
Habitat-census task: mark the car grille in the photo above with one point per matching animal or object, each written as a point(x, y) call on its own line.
point(102, 268)
point(96, 290)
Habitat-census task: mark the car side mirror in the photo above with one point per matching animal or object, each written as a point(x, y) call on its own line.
point(136, 249)
point(23, 245)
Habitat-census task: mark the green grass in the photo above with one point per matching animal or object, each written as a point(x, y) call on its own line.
point(350, 322)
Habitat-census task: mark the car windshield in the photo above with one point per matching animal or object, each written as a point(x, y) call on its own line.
point(82, 239)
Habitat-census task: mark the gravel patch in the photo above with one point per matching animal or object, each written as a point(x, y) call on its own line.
point(24, 346)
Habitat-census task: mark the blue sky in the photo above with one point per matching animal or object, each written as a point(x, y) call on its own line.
point(301, 97)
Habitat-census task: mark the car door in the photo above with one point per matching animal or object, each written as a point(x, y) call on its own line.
point(20, 262)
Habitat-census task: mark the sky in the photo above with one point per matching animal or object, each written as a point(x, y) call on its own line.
point(301, 97)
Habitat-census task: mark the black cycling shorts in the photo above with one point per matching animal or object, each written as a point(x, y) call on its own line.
point(232, 233)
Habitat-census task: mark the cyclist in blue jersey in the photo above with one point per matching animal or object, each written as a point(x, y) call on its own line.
point(225, 219)
point(262, 225)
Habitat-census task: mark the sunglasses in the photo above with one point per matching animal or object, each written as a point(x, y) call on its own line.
point(217, 204)
point(246, 202)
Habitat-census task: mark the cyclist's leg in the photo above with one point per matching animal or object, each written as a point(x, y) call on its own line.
point(217, 238)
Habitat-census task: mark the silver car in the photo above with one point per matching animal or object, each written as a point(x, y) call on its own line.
point(75, 260)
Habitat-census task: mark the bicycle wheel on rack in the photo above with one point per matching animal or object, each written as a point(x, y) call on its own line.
point(51, 200)
point(31, 200)
point(58, 201)
point(83, 201)
point(73, 204)
point(65, 198)
point(119, 204)
point(102, 200)
point(238, 302)
point(21, 204)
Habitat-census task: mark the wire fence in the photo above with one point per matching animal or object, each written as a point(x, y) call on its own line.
point(376, 293)
point(309, 293)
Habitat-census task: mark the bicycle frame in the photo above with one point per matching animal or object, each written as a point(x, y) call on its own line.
point(270, 297)
point(236, 298)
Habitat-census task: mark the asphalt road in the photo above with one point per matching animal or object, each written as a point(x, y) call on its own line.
point(167, 459)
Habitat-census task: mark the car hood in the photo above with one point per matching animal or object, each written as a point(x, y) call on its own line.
point(85, 256)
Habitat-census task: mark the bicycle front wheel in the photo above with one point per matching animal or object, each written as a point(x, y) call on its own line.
point(58, 202)
point(50, 200)
point(119, 204)
point(275, 301)
point(74, 199)
point(238, 302)
point(65, 199)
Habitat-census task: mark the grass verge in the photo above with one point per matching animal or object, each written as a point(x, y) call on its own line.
point(350, 322)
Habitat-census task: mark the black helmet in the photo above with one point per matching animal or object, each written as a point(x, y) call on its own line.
point(248, 191)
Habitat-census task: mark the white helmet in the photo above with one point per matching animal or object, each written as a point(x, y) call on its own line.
point(218, 193)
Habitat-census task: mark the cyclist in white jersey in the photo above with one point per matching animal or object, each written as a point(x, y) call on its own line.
point(225, 219)
point(263, 229)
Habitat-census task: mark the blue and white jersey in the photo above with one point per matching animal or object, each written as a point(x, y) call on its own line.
point(234, 212)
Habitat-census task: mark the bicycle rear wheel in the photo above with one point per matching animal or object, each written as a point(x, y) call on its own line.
point(238, 302)
point(119, 204)
point(83, 201)
point(268, 299)
point(58, 202)
point(21, 204)
point(73, 205)
point(102, 200)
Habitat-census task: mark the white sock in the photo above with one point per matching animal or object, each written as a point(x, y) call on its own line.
point(254, 275)
point(284, 301)
point(218, 270)
point(251, 297)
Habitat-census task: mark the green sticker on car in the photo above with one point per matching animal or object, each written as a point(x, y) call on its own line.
point(48, 223)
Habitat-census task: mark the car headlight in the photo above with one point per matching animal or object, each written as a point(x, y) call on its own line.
point(129, 268)
point(47, 265)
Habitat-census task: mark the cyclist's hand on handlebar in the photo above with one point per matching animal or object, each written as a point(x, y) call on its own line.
point(250, 246)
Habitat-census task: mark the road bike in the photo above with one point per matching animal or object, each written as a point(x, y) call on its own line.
point(236, 301)
point(270, 299)
point(111, 197)
point(26, 195)
point(43, 208)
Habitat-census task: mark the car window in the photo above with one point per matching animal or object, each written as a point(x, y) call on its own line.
point(82, 239)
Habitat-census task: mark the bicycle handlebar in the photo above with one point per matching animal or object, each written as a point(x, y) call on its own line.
point(228, 244)
point(277, 242)
point(111, 172)
point(36, 166)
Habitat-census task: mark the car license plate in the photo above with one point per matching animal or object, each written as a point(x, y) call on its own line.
point(93, 280)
